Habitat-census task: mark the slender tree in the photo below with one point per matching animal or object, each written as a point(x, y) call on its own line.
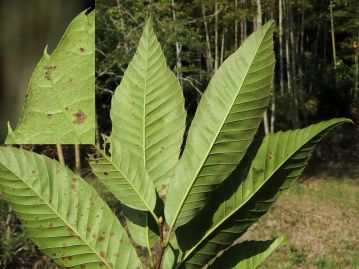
point(60, 154)
point(178, 45)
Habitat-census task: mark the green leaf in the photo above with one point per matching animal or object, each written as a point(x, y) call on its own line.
point(124, 176)
point(147, 110)
point(171, 254)
point(62, 213)
point(226, 120)
point(246, 255)
point(241, 200)
point(60, 104)
point(142, 227)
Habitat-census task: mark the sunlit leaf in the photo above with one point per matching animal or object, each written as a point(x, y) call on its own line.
point(224, 125)
point(147, 110)
point(246, 255)
point(63, 214)
point(243, 198)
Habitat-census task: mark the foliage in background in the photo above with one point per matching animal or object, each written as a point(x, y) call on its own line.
point(322, 91)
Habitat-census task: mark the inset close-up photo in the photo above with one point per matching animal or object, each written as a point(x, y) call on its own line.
point(58, 104)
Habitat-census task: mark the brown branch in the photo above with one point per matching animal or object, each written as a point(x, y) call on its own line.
point(162, 245)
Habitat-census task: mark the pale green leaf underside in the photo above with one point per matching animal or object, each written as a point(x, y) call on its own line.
point(226, 120)
point(142, 227)
point(246, 255)
point(125, 177)
point(60, 103)
point(279, 161)
point(63, 214)
point(147, 110)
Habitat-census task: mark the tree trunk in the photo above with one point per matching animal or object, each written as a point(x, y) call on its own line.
point(209, 58)
point(290, 55)
point(236, 24)
point(216, 55)
point(301, 53)
point(77, 159)
point(281, 47)
point(243, 22)
point(257, 22)
point(254, 19)
point(294, 68)
point(356, 93)
point(178, 46)
point(287, 56)
point(222, 46)
point(60, 154)
point(332, 33)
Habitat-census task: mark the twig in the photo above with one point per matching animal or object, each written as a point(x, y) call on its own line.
point(162, 245)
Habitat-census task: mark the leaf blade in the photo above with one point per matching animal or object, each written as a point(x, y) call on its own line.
point(123, 175)
point(247, 255)
point(65, 216)
point(236, 211)
point(60, 107)
point(224, 125)
point(154, 128)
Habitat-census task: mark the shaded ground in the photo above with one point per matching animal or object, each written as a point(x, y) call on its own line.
point(319, 215)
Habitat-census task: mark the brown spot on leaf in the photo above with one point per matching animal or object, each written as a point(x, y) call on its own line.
point(79, 117)
point(82, 50)
point(49, 115)
point(48, 70)
point(105, 173)
point(257, 170)
point(70, 232)
point(101, 238)
point(163, 197)
point(51, 225)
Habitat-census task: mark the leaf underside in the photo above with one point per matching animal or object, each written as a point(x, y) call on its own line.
point(224, 125)
point(147, 110)
point(124, 176)
point(241, 200)
point(63, 214)
point(246, 255)
point(60, 101)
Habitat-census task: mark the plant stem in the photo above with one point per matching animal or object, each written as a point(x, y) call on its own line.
point(162, 246)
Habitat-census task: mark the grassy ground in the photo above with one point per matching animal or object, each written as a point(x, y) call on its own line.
point(319, 215)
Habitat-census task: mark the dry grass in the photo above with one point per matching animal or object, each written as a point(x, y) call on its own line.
point(320, 218)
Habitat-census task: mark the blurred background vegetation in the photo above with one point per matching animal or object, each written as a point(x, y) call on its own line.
point(27, 26)
point(313, 82)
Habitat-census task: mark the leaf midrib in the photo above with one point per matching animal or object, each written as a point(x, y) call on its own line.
point(61, 218)
point(219, 130)
point(128, 181)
